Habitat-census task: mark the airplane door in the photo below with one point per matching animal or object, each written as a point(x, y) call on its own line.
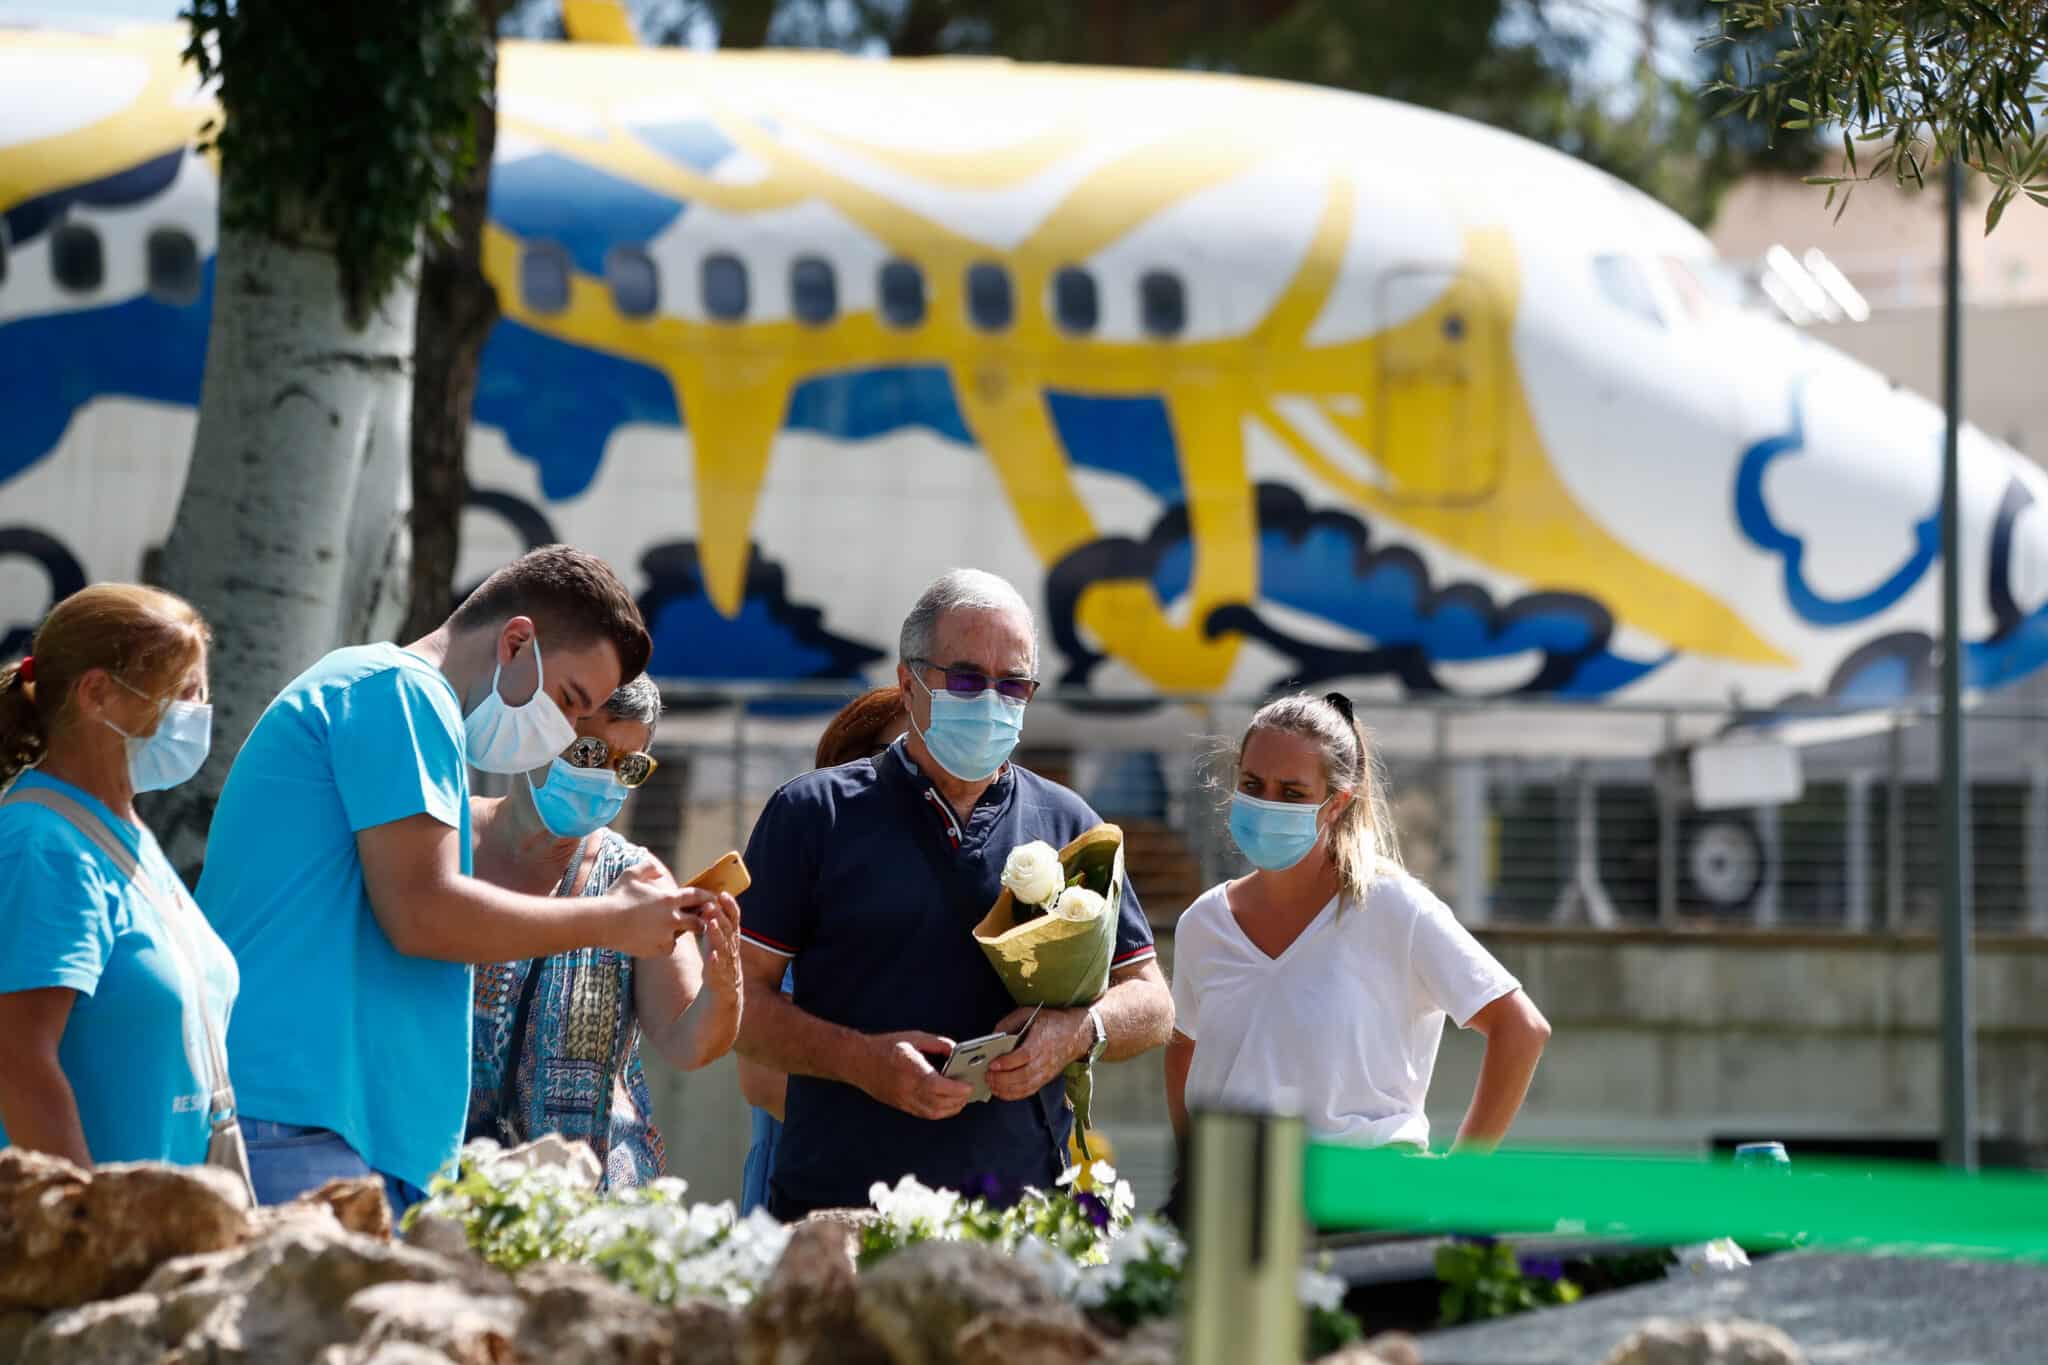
point(1435, 419)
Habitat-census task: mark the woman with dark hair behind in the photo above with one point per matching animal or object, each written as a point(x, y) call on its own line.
point(863, 729)
point(114, 989)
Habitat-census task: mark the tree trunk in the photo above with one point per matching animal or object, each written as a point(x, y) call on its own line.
point(290, 536)
point(457, 309)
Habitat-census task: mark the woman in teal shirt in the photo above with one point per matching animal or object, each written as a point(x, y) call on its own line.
point(103, 976)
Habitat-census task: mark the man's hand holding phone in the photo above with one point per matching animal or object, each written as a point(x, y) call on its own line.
point(899, 1073)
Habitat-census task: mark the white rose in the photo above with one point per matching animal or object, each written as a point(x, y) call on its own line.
point(1079, 905)
point(1032, 873)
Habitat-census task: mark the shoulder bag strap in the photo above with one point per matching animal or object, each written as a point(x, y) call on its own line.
point(222, 1094)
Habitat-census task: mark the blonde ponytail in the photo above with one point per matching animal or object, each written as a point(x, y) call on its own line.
point(1363, 842)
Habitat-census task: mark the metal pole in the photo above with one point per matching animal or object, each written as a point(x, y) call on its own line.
point(1856, 854)
point(1668, 799)
point(1958, 1061)
point(1895, 829)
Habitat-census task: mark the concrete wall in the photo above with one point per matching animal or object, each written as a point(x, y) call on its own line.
point(1671, 1041)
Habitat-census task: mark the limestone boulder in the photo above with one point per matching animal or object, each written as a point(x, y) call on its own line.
point(574, 1316)
point(357, 1204)
point(1389, 1348)
point(1156, 1343)
point(1031, 1338)
point(708, 1334)
point(463, 1327)
point(70, 1236)
point(1728, 1341)
point(287, 1296)
point(551, 1151)
point(917, 1302)
point(807, 1312)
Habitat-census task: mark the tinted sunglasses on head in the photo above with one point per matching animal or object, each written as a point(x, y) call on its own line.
point(965, 682)
point(588, 751)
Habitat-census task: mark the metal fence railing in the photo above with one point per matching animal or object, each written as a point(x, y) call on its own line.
point(1521, 811)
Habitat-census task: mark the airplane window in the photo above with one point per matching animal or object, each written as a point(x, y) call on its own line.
point(634, 281)
point(173, 261)
point(724, 281)
point(1162, 303)
point(1073, 300)
point(544, 277)
point(902, 290)
point(1623, 284)
point(813, 290)
point(988, 296)
point(77, 259)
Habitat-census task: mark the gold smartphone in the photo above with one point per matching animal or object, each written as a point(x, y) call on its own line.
point(728, 874)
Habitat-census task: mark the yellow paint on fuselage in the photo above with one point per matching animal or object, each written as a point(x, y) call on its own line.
point(733, 381)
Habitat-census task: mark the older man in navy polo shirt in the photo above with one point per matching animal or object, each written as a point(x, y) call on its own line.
point(871, 877)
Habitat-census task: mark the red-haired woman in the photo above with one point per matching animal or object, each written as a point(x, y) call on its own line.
point(114, 989)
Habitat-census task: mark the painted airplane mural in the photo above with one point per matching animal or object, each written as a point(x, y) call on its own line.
point(1245, 382)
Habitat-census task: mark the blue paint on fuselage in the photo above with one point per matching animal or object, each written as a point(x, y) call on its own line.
point(861, 405)
point(696, 143)
point(550, 197)
point(1753, 515)
point(559, 403)
point(1127, 436)
point(53, 364)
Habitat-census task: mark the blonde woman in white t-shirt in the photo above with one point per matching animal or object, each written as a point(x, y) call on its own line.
point(1322, 980)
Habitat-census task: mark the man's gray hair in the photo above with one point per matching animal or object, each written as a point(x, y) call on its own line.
point(638, 700)
point(960, 590)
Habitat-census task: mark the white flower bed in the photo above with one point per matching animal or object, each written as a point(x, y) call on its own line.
point(1082, 1238)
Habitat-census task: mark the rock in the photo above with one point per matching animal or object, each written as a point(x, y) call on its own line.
point(283, 1297)
point(577, 1317)
point(552, 1150)
point(468, 1329)
point(14, 1330)
point(390, 1353)
point(69, 1237)
point(1029, 1339)
point(1156, 1343)
point(119, 1331)
point(707, 1334)
point(1728, 1341)
point(806, 1314)
point(1395, 1348)
point(917, 1301)
point(1388, 1348)
point(854, 1219)
point(357, 1204)
point(439, 1235)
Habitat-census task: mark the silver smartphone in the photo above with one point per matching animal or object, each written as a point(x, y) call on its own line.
point(969, 1060)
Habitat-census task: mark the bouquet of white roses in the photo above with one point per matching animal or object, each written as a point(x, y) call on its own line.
point(1052, 932)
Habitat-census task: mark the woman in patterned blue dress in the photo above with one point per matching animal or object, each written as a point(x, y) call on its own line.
point(556, 1045)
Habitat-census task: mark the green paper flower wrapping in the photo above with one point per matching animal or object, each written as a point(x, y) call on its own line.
point(1057, 952)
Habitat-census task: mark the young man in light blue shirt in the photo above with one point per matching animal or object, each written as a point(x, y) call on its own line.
point(337, 870)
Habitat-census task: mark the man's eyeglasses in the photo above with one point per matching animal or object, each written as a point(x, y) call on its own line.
point(588, 751)
point(965, 682)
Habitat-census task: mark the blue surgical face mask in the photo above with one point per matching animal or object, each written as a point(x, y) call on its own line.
point(157, 762)
point(573, 802)
point(1273, 834)
point(972, 737)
